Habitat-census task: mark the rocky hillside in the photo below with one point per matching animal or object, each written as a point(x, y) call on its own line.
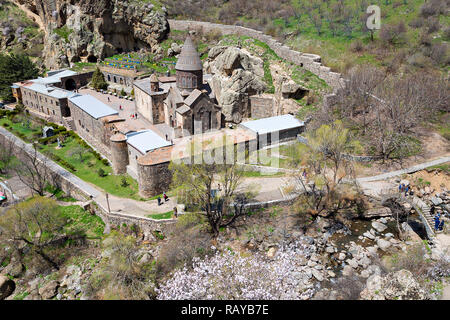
point(88, 30)
point(19, 34)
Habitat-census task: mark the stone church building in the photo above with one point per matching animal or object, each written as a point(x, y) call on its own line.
point(185, 102)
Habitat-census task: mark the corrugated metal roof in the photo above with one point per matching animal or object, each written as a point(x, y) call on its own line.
point(146, 140)
point(273, 124)
point(92, 106)
point(50, 91)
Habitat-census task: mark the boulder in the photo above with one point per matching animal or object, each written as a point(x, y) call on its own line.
point(49, 290)
point(383, 244)
point(399, 285)
point(378, 226)
point(377, 212)
point(271, 253)
point(317, 274)
point(290, 89)
point(436, 201)
point(369, 235)
point(7, 287)
point(236, 75)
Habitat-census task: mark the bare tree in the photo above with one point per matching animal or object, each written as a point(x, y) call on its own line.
point(197, 181)
point(34, 170)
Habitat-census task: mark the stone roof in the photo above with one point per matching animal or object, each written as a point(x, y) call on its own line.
point(183, 109)
point(195, 94)
point(156, 156)
point(118, 137)
point(189, 59)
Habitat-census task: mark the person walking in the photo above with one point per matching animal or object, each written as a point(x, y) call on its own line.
point(165, 196)
point(109, 100)
point(406, 191)
point(159, 201)
point(400, 188)
point(437, 222)
point(175, 212)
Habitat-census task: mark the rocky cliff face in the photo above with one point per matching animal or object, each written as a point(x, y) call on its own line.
point(236, 75)
point(88, 30)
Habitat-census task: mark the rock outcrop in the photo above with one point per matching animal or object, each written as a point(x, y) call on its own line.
point(89, 30)
point(236, 75)
point(399, 285)
point(7, 287)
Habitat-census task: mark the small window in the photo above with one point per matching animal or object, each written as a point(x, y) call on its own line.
point(57, 103)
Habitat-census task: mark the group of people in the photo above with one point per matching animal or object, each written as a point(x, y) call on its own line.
point(402, 188)
point(134, 116)
point(165, 198)
point(438, 223)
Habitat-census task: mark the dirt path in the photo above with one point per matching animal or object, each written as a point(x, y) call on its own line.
point(33, 16)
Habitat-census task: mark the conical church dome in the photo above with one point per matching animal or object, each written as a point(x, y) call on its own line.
point(189, 59)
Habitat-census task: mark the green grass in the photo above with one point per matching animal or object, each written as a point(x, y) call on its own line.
point(21, 295)
point(257, 174)
point(63, 32)
point(444, 167)
point(159, 216)
point(87, 169)
point(79, 219)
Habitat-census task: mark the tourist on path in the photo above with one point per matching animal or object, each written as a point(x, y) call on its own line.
point(175, 212)
point(406, 191)
point(159, 201)
point(436, 222)
point(165, 196)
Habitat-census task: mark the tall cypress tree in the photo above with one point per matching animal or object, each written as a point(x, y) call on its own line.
point(98, 80)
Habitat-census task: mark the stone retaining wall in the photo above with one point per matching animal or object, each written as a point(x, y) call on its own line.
point(310, 62)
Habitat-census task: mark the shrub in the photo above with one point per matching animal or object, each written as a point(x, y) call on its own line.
point(105, 162)
point(101, 172)
point(124, 183)
point(357, 46)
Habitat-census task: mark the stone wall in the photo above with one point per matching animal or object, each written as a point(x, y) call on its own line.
point(153, 179)
point(310, 62)
point(262, 106)
point(90, 129)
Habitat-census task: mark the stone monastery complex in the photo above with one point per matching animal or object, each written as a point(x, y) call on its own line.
point(176, 109)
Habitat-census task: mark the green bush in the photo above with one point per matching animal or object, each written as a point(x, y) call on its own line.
point(105, 162)
point(101, 172)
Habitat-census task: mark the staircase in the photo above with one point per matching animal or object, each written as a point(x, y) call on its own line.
point(69, 123)
point(421, 207)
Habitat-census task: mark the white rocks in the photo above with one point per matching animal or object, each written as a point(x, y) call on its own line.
point(389, 235)
point(311, 263)
point(317, 274)
point(372, 250)
point(365, 262)
point(271, 253)
point(341, 256)
point(378, 226)
point(329, 249)
point(365, 274)
point(369, 235)
point(331, 274)
point(353, 263)
point(383, 244)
